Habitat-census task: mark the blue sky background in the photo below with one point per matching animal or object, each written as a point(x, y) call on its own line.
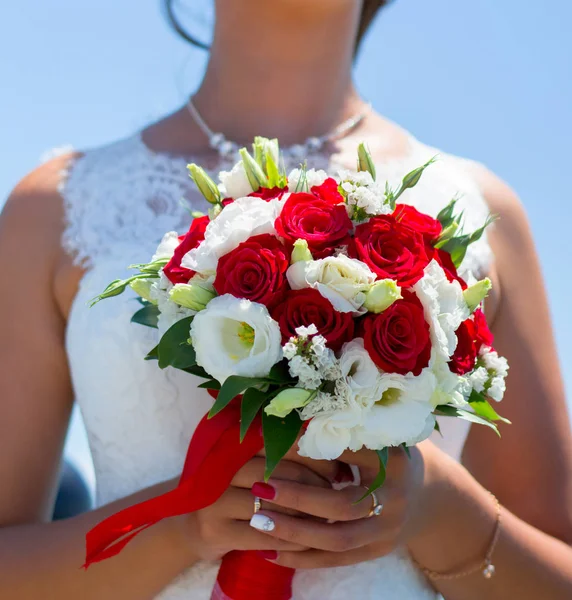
point(490, 80)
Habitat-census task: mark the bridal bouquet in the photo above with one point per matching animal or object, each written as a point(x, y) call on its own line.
point(320, 311)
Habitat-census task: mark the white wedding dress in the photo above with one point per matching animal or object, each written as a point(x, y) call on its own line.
point(119, 200)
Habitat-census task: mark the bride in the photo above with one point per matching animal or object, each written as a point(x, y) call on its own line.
point(280, 69)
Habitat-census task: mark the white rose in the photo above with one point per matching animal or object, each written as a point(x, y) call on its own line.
point(166, 248)
point(244, 218)
point(360, 373)
point(234, 336)
point(329, 434)
point(313, 178)
point(444, 306)
point(402, 414)
point(235, 182)
point(340, 279)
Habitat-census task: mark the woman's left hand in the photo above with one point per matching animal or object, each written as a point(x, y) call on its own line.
point(344, 533)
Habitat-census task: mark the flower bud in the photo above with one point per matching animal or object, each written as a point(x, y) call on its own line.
point(256, 176)
point(301, 252)
point(447, 234)
point(142, 287)
point(476, 293)
point(365, 162)
point(381, 295)
point(207, 187)
point(288, 400)
point(215, 211)
point(191, 296)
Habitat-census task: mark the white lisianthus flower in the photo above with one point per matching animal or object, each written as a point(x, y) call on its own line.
point(402, 415)
point(478, 379)
point(312, 177)
point(244, 218)
point(444, 306)
point(340, 279)
point(234, 336)
point(360, 373)
point(167, 246)
point(329, 434)
point(235, 182)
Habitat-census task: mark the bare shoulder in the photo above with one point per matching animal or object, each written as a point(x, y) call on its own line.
point(37, 198)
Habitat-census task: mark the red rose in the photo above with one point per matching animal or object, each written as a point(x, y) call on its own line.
point(391, 250)
point(268, 193)
point(306, 307)
point(484, 336)
point(427, 226)
point(196, 234)
point(398, 339)
point(255, 270)
point(323, 225)
point(465, 355)
point(444, 259)
point(328, 191)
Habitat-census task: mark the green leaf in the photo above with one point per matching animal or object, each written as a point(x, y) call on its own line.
point(279, 437)
point(407, 450)
point(147, 316)
point(174, 348)
point(153, 354)
point(279, 373)
point(211, 384)
point(383, 456)
point(118, 286)
point(197, 372)
point(437, 428)
point(231, 388)
point(452, 411)
point(446, 216)
point(252, 402)
point(483, 408)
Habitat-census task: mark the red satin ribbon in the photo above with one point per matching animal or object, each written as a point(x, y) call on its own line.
point(246, 576)
point(215, 455)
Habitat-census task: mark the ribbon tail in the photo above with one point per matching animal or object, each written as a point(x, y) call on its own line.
point(215, 455)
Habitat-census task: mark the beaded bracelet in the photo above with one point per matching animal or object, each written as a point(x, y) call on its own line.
point(485, 566)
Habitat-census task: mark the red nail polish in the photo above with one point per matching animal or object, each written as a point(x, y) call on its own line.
point(344, 474)
point(264, 491)
point(268, 554)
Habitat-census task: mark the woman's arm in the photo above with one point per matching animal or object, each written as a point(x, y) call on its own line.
point(441, 509)
point(40, 559)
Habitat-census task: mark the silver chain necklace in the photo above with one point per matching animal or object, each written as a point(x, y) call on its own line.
point(227, 148)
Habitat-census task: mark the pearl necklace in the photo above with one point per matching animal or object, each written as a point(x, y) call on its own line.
point(227, 148)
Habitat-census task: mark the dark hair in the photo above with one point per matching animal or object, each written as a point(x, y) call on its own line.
point(369, 12)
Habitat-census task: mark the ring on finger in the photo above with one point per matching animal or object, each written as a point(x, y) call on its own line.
point(257, 504)
point(376, 505)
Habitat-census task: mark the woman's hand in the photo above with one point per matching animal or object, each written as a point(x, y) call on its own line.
point(343, 534)
point(224, 526)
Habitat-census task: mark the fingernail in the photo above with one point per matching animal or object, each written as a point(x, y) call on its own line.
point(264, 491)
point(268, 554)
point(262, 522)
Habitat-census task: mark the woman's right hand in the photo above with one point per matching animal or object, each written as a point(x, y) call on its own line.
point(224, 526)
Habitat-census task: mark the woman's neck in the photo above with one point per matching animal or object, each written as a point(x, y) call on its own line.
point(280, 69)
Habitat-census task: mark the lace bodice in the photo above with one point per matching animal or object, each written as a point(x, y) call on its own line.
point(119, 200)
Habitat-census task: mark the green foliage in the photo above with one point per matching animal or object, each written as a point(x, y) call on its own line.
point(383, 456)
point(233, 387)
point(483, 408)
point(279, 437)
point(148, 315)
point(252, 402)
point(174, 347)
point(452, 411)
point(409, 181)
point(118, 286)
point(153, 354)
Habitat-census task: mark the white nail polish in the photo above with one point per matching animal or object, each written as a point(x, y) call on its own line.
point(262, 522)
